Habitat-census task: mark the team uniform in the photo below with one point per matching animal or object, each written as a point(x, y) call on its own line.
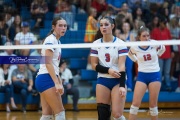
point(44, 80)
point(108, 57)
point(147, 59)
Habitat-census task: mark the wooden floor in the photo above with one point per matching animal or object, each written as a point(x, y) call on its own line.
point(164, 114)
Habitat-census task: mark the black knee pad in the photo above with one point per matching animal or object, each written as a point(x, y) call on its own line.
point(104, 112)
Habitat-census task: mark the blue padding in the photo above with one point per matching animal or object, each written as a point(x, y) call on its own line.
point(81, 17)
point(30, 100)
point(169, 97)
point(75, 53)
point(77, 63)
point(163, 97)
point(88, 74)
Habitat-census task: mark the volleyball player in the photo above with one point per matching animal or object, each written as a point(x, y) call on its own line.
point(48, 82)
point(109, 62)
point(149, 76)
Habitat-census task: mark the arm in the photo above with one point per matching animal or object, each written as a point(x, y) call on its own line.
point(32, 68)
point(51, 71)
point(132, 56)
point(2, 81)
point(50, 67)
point(122, 79)
point(160, 50)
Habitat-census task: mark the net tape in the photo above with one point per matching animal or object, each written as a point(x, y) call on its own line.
point(90, 45)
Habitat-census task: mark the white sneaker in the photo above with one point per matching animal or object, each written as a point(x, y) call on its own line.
point(177, 89)
point(173, 78)
point(129, 89)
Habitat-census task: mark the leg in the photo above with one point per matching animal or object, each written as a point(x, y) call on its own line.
point(140, 89)
point(47, 113)
point(118, 103)
point(129, 71)
point(167, 67)
point(154, 88)
point(103, 102)
point(75, 92)
point(56, 105)
point(12, 96)
point(24, 99)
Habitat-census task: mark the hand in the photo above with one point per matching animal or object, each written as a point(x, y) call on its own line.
point(29, 88)
point(122, 91)
point(22, 80)
point(7, 82)
point(69, 86)
point(59, 88)
point(114, 73)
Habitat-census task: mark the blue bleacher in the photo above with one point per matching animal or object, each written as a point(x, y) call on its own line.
point(49, 16)
point(89, 75)
point(44, 32)
point(81, 17)
point(47, 23)
point(77, 63)
point(75, 53)
point(25, 15)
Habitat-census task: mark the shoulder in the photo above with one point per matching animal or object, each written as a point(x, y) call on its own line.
point(98, 40)
point(118, 40)
point(49, 40)
point(1, 70)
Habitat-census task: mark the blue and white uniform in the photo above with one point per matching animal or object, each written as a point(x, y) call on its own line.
point(147, 59)
point(44, 80)
point(108, 57)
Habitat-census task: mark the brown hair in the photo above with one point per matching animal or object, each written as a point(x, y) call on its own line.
point(54, 22)
point(140, 30)
point(112, 21)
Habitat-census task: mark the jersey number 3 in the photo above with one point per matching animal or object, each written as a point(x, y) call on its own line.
point(147, 57)
point(107, 55)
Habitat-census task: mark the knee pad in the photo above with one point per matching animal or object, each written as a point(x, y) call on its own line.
point(120, 118)
point(60, 116)
point(46, 117)
point(104, 112)
point(134, 110)
point(153, 111)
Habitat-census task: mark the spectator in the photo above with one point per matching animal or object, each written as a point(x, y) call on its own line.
point(100, 6)
point(127, 36)
point(69, 89)
point(34, 68)
point(23, 82)
point(136, 25)
point(91, 26)
point(175, 32)
point(115, 5)
point(65, 10)
point(3, 29)
point(126, 13)
point(154, 23)
point(82, 5)
point(163, 33)
point(6, 86)
point(15, 28)
point(25, 38)
point(9, 52)
point(38, 10)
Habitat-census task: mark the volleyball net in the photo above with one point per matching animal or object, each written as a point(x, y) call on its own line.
point(89, 45)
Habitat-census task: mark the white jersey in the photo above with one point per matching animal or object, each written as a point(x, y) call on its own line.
point(51, 40)
point(108, 56)
point(25, 39)
point(147, 59)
